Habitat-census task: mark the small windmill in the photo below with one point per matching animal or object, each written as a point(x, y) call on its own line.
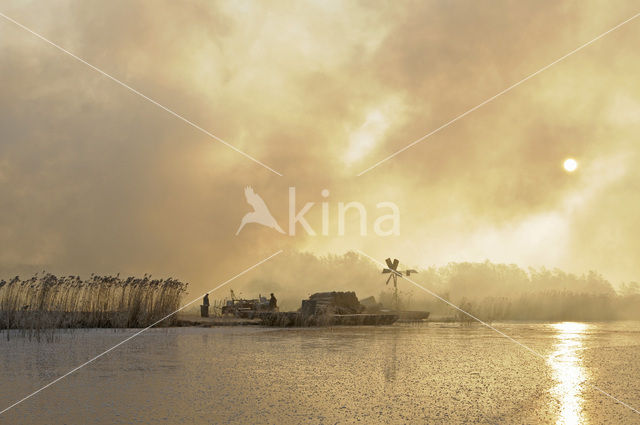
point(392, 270)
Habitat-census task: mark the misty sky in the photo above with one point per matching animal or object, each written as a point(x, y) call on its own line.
point(93, 178)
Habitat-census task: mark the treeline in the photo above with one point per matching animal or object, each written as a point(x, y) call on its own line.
point(48, 302)
point(507, 292)
point(492, 291)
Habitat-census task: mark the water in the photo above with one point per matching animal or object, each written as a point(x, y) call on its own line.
point(428, 373)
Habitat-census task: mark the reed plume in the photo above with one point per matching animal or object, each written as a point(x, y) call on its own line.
point(50, 302)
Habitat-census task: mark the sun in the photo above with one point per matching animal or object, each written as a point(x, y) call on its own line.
point(570, 165)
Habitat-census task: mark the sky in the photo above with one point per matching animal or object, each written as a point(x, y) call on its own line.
point(95, 178)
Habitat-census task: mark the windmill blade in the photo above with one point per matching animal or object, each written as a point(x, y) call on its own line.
point(395, 264)
point(389, 263)
point(389, 278)
point(386, 271)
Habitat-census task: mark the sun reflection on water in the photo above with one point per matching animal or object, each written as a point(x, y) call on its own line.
point(568, 371)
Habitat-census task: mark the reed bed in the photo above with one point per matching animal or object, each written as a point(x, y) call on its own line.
point(50, 302)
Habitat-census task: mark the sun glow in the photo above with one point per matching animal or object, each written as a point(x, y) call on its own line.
point(570, 165)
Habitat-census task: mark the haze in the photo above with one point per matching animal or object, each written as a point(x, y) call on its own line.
point(96, 179)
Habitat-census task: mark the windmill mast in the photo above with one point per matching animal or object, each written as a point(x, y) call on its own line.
point(396, 296)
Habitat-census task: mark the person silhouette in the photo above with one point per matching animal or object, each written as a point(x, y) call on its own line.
point(205, 300)
point(273, 302)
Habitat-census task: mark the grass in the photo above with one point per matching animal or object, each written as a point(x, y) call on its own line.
point(50, 302)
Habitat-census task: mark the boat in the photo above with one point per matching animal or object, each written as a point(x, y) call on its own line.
point(329, 309)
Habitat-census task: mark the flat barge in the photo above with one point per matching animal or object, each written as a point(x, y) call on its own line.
point(295, 318)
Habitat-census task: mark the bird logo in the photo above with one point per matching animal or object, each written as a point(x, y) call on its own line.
point(260, 213)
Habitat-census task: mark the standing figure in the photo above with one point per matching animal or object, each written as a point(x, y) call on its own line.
point(204, 308)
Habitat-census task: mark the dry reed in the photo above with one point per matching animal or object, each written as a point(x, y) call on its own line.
point(51, 302)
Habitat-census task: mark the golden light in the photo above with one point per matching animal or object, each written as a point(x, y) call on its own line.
point(568, 371)
point(570, 165)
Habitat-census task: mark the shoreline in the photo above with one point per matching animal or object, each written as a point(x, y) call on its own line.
point(195, 321)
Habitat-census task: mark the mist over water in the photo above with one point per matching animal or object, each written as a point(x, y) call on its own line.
point(488, 290)
point(526, 151)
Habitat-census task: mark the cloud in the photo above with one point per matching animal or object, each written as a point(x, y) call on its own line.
point(96, 179)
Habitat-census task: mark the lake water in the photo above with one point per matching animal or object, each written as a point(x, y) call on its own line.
point(426, 373)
